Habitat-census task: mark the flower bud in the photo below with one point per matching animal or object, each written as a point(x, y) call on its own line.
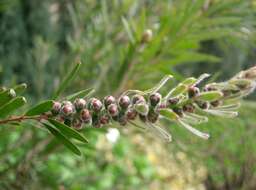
point(131, 114)
point(79, 104)
point(56, 108)
point(215, 103)
point(178, 111)
point(85, 115)
point(209, 88)
point(188, 108)
point(77, 124)
point(60, 118)
point(138, 99)
point(203, 105)
point(162, 106)
point(152, 116)
point(124, 102)
point(67, 110)
point(67, 103)
point(113, 110)
point(193, 91)
point(147, 36)
point(155, 99)
point(109, 100)
point(173, 101)
point(104, 119)
point(95, 105)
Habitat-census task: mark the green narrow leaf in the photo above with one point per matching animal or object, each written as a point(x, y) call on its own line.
point(67, 131)
point(190, 119)
point(80, 94)
point(222, 113)
point(159, 132)
point(168, 114)
point(125, 65)
point(128, 30)
point(190, 57)
point(200, 118)
point(12, 106)
point(201, 78)
point(67, 80)
point(130, 92)
point(63, 139)
point(193, 130)
point(228, 107)
point(159, 85)
point(20, 89)
point(181, 88)
point(6, 96)
point(189, 81)
point(40, 108)
point(209, 96)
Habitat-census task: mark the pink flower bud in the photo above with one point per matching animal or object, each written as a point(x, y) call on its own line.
point(77, 124)
point(138, 99)
point(173, 101)
point(113, 110)
point(85, 115)
point(95, 105)
point(79, 103)
point(67, 110)
point(104, 119)
point(155, 99)
point(193, 91)
point(188, 108)
point(131, 114)
point(124, 102)
point(56, 108)
point(109, 100)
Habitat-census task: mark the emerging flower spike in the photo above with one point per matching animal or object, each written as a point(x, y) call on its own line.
point(187, 104)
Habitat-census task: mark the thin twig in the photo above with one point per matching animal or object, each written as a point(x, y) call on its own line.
point(22, 118)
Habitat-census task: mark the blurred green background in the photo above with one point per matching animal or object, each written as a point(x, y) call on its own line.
point(41, 40)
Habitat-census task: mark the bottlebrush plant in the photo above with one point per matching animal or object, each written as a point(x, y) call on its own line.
point(187, 104)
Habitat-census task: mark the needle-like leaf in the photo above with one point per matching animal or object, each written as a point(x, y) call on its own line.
point(64, 140)
point(67, 131)
point(40, 108)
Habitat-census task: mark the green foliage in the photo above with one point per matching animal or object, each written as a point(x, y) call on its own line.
point(67, 80)
point(12, 106)
point(210, 96)
point(63, 139)
point(83, 93)
point(40, 108)
point(68, 131)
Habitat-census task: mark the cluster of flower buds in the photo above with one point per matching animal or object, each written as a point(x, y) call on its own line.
point(98, 113)
point(184, 104)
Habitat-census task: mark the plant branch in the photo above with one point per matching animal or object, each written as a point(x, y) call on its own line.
point(22, 118)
